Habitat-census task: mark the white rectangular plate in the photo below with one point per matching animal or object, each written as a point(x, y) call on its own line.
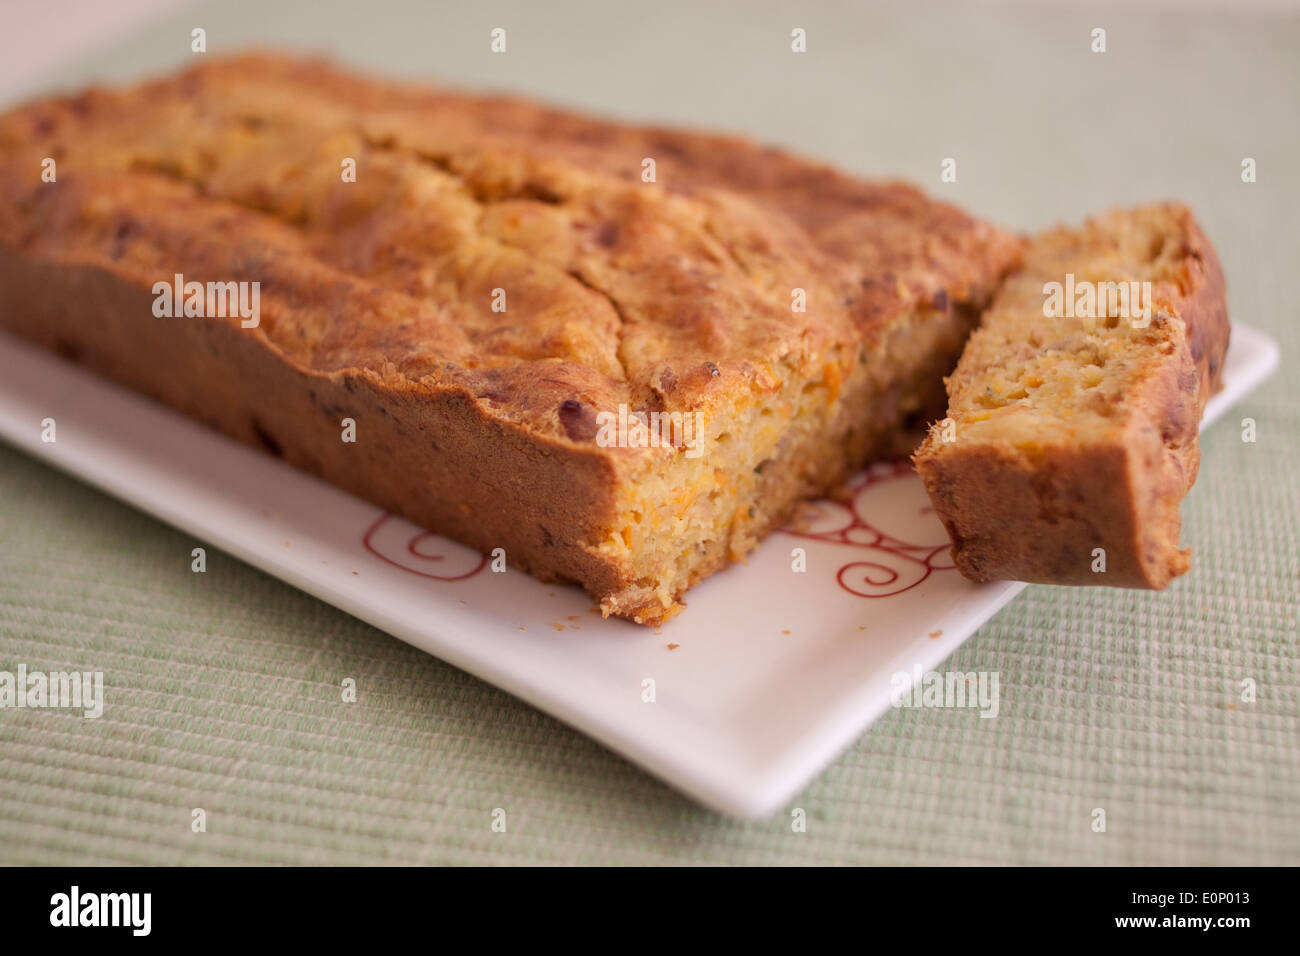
point(761, 682)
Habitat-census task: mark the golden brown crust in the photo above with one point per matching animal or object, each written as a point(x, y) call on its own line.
point(903, 248)
point(376, 300)
point(1055, 486)
point(476, 463)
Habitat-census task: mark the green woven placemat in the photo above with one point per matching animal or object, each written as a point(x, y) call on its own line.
point(222, 689)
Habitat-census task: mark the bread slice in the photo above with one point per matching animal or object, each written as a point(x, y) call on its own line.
point(484, 298)
point(1071, 438)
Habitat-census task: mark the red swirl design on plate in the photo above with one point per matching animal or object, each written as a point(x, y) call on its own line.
point(893, 497)
point(373, 544)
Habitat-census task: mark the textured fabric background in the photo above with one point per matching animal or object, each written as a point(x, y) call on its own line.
point(222, 688)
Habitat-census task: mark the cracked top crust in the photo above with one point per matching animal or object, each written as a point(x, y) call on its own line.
point(661, 295)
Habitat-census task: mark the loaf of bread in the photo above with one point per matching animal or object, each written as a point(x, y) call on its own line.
point(1071, 434)
point(499, 299)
